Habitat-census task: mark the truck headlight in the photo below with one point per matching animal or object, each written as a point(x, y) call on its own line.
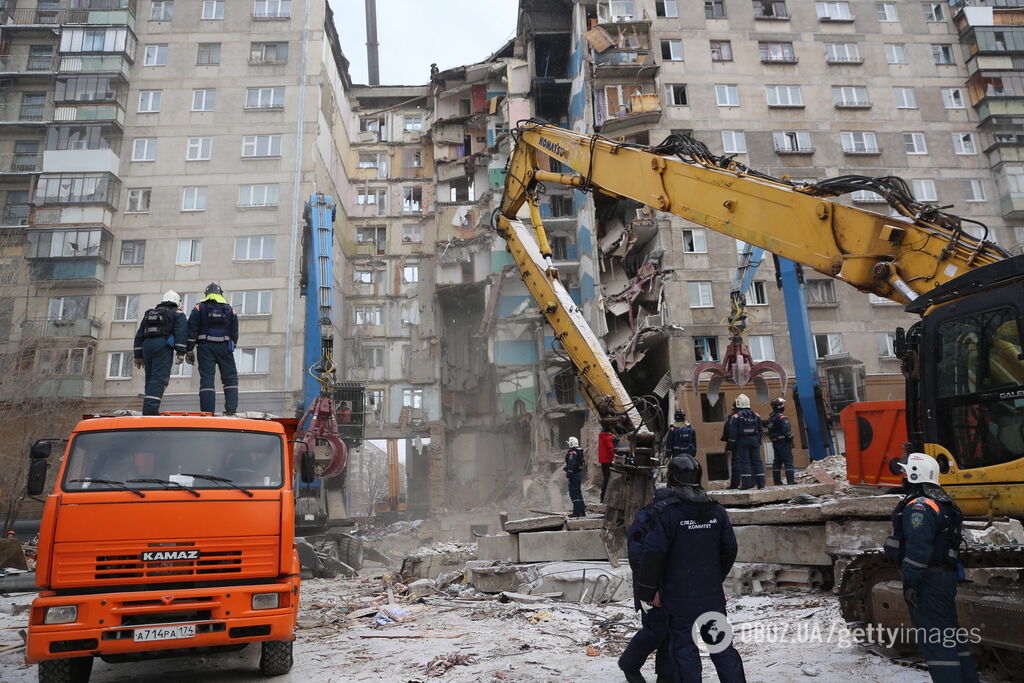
point(62, 614)
point(266, 600)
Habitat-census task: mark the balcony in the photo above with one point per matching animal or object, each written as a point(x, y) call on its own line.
point(617, 63)
point(28, 65)
point(862, 151)
point(84, 272)
point(794, 151)
point(1011, 205)
point(64, 386)
point(101, 17)
point(15, 215)
point(49, 328)
point(853, 104)
point(12, 113)
point(14, 164)
point(109, 113)
point(77, 188)
point(836, 60)
point(271, 13)
point(95, 64)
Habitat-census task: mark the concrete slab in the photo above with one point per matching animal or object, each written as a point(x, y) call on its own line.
point(773, 494)
point(510, 596)
point(553, 546)
point(757, 578)
point(502, 548)
point(880, 507)
point(545, 523)
point(500, 578)
point(582, 523)
point(852, 536)
point(803, 545)
point(582, 581)
point(432, 565)
point(776, 514)
point(998, 533)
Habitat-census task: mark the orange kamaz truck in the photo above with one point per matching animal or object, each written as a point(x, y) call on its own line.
point(163, 536)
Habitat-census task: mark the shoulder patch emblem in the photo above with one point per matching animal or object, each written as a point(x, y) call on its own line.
point(916, 519)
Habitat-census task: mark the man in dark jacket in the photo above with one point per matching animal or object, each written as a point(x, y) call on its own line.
point(681, 438)
point(780, 433)
point(730, 450)
point(745, 434)
point(605, 457)
point(213, 328)
point(159, 344)
point(684, 559)
point(574, 474)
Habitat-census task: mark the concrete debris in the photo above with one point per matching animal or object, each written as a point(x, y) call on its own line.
point(421, 587)
point(507, 596)
point(1009, 532)
point(550, 546)
point(758, 578)
point(861, 506)
point(805, 499)
point(584, 523)
point(776, 514)
point(773, 494)
point(801, 545)
point(503, 548)
point(594, 582)
point(429, 562)
point(853, 536)
point(438, 666)
point(834, 466)
point(500, 578)
point(545, 523)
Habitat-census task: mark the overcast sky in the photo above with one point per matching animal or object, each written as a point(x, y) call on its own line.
point(413, 34)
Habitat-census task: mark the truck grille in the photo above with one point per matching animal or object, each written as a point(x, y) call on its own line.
point(131, 567)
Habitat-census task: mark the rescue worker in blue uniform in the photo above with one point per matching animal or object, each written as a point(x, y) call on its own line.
point(681, 438)
point(574, 474)
point(159, 344)
point(745, 434)
point(683, 561)
point(213, 328)
point(653, 634)
point(925, 543)
point(780, 433)
point(730, 450)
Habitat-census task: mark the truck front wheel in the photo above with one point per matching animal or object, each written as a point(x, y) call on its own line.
point(275, 657)
point(72, 670)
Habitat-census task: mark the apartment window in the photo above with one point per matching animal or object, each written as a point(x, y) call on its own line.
point(251, 302)
point(700, 295)
point(695, 242)
point(963, 143)
point(258, 248)
point(161, 10)
point(834, 11)
point(770, 9)
point(371, 357)
point(896, 53)
point(906, 98)
point(126, 308)
point(204, 100)
point(138, 199)
point(776, 52)
point(792, 140)
point(189, 251)
point(144, 149)
point(208, 53)
point(68, 308)
point(758, 294)
point(784, 96)
point(666, 8)
point(268, 52)
point(924, 190)
point(412, 199)
point(974, 190)
point(364, 276)
point(370, 196)
point(368, 315)
point(827, 345)
point(272, 9)
point(133, 252)
point(156, 55)
point(373, 234)
point(727, 95)
point(672, 50)
point(858, 142)
point(933, 11)
point(119, 364)
point(820, 292)
point(199, 149)
point(257, 195)
point(264, 98)
point(183, 371)
point(953, 98)
point(252, 360)
point(412, 398)
point(943, 54)
point(867, 197)
point(886, 343)
point(676, 94)
point(412, 233)
point(886, 12)
point(213, 9)
point(842, 52)
point(705, 349)
point(261, 146)
point(193, 199)
point(914, 143)
point(850, 96)
point(149, 101)
point(714, 9)
point(721, 51)
point(412, 158)
point(734, 142)
point(412, 123)
point(762, 347)
point(411, 273)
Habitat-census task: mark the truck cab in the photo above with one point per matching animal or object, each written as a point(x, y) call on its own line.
point(162, 535)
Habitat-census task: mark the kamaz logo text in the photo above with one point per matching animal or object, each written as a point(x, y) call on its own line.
point(554, 148)
point(164, 555)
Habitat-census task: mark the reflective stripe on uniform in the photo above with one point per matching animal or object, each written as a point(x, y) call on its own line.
point(912, 563)
point(208, 338)
point(233, 386)
point(956, 664)
point(208, 389)
point(154, 398)
point(927, 501)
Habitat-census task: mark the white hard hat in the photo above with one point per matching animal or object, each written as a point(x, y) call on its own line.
point(921, 469)
point(742, 401)
point(171, 296)
point(573, 442)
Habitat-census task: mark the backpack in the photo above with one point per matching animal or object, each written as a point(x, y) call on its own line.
point(158, 322)
point(643, 523)
point(775, 430)
point(946, 548)
point(747, 423)
point(214, 322)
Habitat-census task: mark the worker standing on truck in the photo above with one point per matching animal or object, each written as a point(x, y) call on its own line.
point(780, 433)
point(925, 543)
point(745, 435)
point(159, 344)
point(574, 474)
point(681, 438)
point(213, 328)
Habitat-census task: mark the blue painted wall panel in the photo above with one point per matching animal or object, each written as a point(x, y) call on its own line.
point(515, 352)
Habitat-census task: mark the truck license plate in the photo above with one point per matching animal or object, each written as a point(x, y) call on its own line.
point(165, 633)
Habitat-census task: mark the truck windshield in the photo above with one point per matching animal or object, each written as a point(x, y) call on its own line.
point(252, 460)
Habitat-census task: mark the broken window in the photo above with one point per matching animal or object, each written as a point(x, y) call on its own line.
point(411, 273)
point(758, 294)
point(721, 51)
point(827, 345)
point(675, 93)
point(770, 9)
point(412, 158)
point(369, 315)
point(413, 123)
point(561, 206)
point(412, 232)
point(565, 387)
point(461, 190)
point(820, 292)
point(412, 199)
point(695, 241)
point(412, 398)
point(705, 349)
point(375, 403)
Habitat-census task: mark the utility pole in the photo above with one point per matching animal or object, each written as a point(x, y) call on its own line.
point(372, 53)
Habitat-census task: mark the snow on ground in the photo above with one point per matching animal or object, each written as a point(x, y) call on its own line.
point(550, 641)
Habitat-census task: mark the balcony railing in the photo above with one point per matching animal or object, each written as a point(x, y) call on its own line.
point(89, 271)
point(52, 17)
point(794, 150)
point(57, 329)
point(271, 15)
point(20, 64)
point(94, 64)
point(839, 59)
point(863, 151)
point(854, 104)
point(13, 112)
point(261, 60)
point(21, 163)
point(89, 112)
point(15, 214)
point(623, 58)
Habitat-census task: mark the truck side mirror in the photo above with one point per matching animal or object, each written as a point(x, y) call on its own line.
point(307, 465)
point(40, 450)
point(37, 470)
